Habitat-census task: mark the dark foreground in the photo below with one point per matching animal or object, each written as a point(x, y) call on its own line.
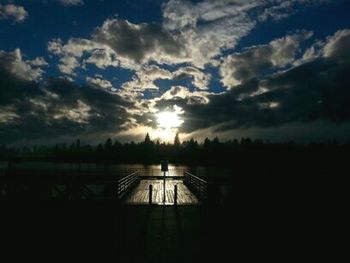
point(263, 218)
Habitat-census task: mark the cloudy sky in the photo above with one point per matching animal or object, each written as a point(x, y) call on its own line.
point(271, 69)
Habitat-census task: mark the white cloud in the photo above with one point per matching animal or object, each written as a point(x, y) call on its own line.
point(180, 14)
point(72, 52)
point(55, 46)
point(38, 62)
point(145, 77)
point(100, 82)
point(254, 61)
point(176, 92)
point(103, 58)
point(200, 79)
point(13, 12)
point(279, 9)
point(80, 113)
point(209, 27)
point(334, 47)
point(74, 47)
point(71, 2)
point(337, 46)
point(144, 80)
point(192, 33)
point(311, 53)
point(68, 64)
point(285, 48)
point(8, 114)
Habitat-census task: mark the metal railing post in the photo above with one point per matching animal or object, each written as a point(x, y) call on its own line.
point(175, 194)
point(150, 192)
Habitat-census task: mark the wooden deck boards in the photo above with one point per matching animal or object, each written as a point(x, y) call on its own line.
point(140, 195)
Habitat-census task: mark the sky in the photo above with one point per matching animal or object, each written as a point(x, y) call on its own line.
point(271, 69)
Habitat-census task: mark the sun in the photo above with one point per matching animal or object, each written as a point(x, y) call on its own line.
point(168, 120)
point(168, 124)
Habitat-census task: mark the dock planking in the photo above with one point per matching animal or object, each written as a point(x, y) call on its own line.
point(140, 195)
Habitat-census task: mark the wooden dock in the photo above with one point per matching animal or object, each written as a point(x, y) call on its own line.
point(140, 195)
point(133, 188)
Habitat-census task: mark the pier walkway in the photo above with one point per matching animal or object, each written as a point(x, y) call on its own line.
point(140, 195)
point(133, 188)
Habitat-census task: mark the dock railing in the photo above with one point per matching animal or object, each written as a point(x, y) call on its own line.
point(197, 185)
point(65, 185)
point(127, 183)
point(207, 192)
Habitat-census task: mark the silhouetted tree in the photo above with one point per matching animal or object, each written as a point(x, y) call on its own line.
point(147, 139)
point(207, 142)
point(72, 147)
point(99, 148)
point(216, 141)
point(192, 143)
point(117, 144)
point(77, 144)
point(243, 152)
point(108, 144)
point(177, 142)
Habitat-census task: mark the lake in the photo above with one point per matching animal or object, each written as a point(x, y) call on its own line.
point(147, 171)
point(123, 169)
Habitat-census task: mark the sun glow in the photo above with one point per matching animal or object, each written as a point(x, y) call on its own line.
point(168, 122)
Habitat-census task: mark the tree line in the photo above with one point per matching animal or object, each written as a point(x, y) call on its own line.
point(209, 151)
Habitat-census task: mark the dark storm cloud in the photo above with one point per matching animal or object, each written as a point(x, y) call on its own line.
point(317, 90)
point(314, 91)
point(136, 42)
point(24, 69)
point(120, 43)
point(14, 89)
point(56, 108)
